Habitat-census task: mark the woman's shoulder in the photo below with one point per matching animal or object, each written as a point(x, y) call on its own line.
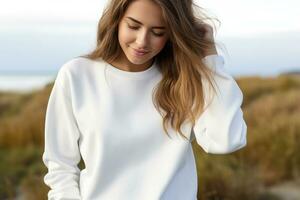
point(77, 63)
point(80, 66)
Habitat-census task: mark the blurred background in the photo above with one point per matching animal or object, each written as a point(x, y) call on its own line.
point(261, 39)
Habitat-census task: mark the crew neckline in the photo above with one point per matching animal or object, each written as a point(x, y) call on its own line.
point(136, 75)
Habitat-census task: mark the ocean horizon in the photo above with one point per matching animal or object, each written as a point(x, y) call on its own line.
point(25, 81)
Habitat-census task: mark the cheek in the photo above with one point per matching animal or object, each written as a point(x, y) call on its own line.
point(124, 35)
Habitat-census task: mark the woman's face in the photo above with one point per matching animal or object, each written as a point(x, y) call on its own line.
point(142, 28)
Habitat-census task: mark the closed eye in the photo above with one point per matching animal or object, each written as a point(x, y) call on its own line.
point(136, 28)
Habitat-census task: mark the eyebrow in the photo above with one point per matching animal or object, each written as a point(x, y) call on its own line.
point(158, 27)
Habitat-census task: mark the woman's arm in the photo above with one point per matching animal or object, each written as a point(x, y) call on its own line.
point(221, 127)
point(61, 155)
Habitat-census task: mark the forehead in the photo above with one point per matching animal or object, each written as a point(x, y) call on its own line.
point(146, 12)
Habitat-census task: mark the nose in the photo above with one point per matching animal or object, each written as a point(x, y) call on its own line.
point(142, 39)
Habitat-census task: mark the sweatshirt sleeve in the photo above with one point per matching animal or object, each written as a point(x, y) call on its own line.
point(61, 154)
point(221, 127)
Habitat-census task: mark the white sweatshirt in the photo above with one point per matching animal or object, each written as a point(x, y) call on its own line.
point(106, 116)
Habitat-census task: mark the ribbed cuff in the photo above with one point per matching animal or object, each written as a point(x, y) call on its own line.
point(70, 193)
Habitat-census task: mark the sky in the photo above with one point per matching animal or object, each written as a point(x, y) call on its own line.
point(260, 36)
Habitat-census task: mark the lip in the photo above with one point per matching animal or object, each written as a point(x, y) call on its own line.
point(140, 53)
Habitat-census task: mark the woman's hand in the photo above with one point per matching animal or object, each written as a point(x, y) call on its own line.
point(208, 33)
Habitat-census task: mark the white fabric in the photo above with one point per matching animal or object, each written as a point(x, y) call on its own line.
point(106, 116)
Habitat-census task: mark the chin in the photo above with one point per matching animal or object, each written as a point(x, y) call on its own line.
point(138, 61)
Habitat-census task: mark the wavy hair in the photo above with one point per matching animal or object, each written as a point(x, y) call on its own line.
point(179, 95)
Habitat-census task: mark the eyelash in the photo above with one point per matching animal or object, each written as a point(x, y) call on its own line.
point(135, 28)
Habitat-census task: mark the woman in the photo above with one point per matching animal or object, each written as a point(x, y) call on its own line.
point(131, 107)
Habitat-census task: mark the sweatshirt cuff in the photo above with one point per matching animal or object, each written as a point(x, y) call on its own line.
point(71, 193)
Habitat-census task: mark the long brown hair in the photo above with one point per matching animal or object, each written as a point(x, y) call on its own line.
point(179, 95)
